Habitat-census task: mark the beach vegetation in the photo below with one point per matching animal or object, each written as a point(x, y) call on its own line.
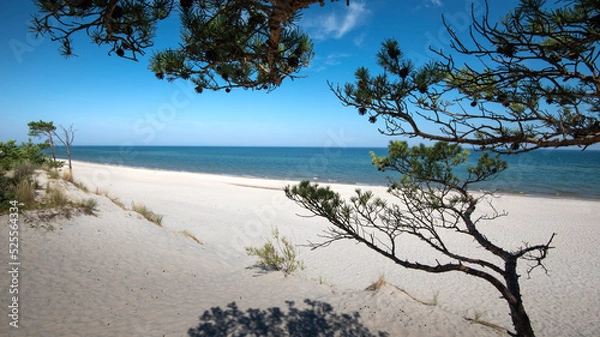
point(12, 154)
point(53, 173)
point(24, 191)
point(88, 206)
point(187, 234)
point(278, 253)
point(23, 171)
point(67, 175)
point(117, 202)
point(56, 197)
point(377, 285)
point(147, 214)
point(17, 168)
point(101, 191)
point(434, 202)
point(79, 185)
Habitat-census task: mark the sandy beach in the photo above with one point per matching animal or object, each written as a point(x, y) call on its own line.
point(117, 274)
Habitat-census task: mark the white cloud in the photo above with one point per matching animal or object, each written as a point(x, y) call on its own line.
point(429, 4)
point(335, 58)
point(336, 25)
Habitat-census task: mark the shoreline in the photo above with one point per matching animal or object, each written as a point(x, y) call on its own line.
point(570, 196)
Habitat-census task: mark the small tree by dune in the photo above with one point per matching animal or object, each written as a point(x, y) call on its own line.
point(42, 129)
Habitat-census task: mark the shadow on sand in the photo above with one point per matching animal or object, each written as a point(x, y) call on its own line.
point(316, 320)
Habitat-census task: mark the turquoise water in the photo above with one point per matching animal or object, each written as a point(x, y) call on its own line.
point(562, 173)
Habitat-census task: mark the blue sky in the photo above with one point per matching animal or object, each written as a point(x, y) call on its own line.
point(113, 101)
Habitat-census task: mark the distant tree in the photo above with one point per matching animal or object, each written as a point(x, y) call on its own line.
point(225, 43)
point(66, 137)
point(535, 83)
point(42, 129)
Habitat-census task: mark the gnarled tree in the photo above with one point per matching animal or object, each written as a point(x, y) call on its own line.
point(435, 201)
point(534, 83)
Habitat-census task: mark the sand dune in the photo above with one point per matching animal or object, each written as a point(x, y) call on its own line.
point(116, 274)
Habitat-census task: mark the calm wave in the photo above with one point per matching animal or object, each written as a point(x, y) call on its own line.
point(561, 173)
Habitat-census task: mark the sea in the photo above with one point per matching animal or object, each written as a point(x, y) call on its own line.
point(549, 173)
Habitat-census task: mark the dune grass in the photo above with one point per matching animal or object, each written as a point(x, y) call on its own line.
point(101, 191)
point(377, 285)
point(147, 214)
point(56, 197)
point(67, 175)
point(53, 173)
point(117, 202)
point(186, 233)
point(80, 185)
point(88, 206)
point(25, 191)
point(23, 171)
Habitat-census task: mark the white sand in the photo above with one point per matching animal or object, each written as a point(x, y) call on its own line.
point(116, 274)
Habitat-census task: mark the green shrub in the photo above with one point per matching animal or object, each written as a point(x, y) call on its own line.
point(12, 154)
point(7, 193)
point(55, 164)
point(280, 255)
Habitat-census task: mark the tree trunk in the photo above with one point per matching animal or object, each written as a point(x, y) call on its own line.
point(52, 146)
point(519, 317)
point(69, 157)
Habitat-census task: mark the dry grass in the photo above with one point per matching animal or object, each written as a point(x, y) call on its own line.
point(191, 236)
point(53, 174)
point(80, 185)
point(147, 214)
point(377, 285)
point(23, 171)
point(67, 175)
point(56, 197)
point(117, 202)
point(25, 191)
point(101, 191)
point(478, 319)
